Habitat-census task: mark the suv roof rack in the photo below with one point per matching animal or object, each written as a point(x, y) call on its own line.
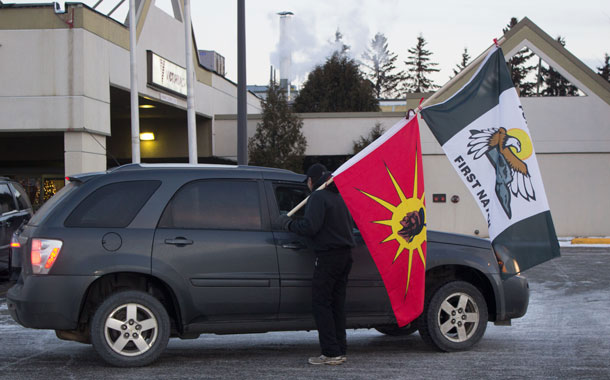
point(139, 166)
point(168, 165)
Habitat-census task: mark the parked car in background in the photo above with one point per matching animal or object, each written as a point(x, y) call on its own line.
point(15, 208)
point(128, 258)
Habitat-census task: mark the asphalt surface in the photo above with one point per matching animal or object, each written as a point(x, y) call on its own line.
point(564, 335)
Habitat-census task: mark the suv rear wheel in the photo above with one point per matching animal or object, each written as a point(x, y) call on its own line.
point(454, 317)
point(130, 329)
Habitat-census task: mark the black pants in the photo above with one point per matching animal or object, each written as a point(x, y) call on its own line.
point(328, 303)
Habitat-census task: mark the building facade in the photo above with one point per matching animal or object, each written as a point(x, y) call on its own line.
point(65, 94)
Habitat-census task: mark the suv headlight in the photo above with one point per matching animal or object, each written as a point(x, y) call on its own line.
point(43, 255)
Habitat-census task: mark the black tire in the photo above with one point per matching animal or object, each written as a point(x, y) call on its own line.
point(394, 330)
point(454, 318)
point(137, 314)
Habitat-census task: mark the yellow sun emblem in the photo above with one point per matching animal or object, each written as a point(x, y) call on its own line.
point(526, 144)
point(410, 236)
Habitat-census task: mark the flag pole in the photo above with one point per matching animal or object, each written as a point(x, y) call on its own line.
point(473, 65)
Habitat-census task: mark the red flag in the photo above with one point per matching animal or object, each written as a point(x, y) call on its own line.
point(383, 187)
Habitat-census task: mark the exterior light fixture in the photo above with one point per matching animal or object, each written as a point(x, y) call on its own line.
point(147, 136)
point(146, 106)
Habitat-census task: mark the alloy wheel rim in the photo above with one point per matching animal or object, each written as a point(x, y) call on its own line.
point(458, 317)
point(131, 329)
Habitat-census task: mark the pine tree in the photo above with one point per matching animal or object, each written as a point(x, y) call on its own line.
point(373, 135)
point(419, 66)
point(336, 86)
point(518, 68)
point(462, 65)
point(513, 21)
point(555, 83)
point(604, 70)
point(378, 61)
point(278, 141)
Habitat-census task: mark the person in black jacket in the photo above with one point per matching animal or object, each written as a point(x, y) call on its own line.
point(329, 225)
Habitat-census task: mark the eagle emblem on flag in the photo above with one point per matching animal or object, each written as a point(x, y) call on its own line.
point(503, 151)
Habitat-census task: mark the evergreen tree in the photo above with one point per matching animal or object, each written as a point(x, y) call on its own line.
point(419, 66)
point(278, 141)
point(518, 68)
point(380, 68)
point(604, 70)
point(336, 86)
point(462, 65)
point(373, 135)
point(555, 83)
point(513, 21)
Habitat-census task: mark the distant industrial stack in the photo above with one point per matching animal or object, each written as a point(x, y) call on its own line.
point(285, 52)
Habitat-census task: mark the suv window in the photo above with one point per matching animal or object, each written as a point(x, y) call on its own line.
point(214, 204)
point(112, 206)
point(20, 194)
point(289, 196)
point(7, 203)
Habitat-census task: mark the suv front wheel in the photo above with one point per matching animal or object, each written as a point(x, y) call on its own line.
point(454, 317)
point(130, 329)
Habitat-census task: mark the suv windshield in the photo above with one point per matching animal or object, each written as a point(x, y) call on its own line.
point(51, 203)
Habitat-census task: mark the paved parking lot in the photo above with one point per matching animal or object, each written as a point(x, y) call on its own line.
point(564, 335)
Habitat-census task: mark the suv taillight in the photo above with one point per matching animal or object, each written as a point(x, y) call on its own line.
point(43, 255)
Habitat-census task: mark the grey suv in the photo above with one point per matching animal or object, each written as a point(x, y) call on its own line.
point(128, 258)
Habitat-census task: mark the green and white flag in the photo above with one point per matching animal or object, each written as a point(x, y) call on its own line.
point(483, 131)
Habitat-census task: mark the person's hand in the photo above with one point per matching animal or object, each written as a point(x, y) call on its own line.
point(283, 222)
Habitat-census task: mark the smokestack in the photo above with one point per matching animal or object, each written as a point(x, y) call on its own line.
point(285, 51)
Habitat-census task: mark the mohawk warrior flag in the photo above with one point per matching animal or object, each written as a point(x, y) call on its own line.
point(483, 131)
point(383, 188)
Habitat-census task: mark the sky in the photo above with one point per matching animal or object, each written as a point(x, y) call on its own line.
point(448, 26)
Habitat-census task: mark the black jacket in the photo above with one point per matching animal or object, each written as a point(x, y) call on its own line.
point(327, 221)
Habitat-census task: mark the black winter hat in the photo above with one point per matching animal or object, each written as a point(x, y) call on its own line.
point(316, 171)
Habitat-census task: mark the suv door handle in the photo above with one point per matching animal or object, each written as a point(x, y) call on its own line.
point(293, 245)
point(179, 241)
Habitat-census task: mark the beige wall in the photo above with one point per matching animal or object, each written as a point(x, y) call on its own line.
point(53, 80)
point(84, 152)
point(568, 124)
point(576, 186)
point(58, 79)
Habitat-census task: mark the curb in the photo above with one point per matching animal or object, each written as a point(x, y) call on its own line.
point(591, 241)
